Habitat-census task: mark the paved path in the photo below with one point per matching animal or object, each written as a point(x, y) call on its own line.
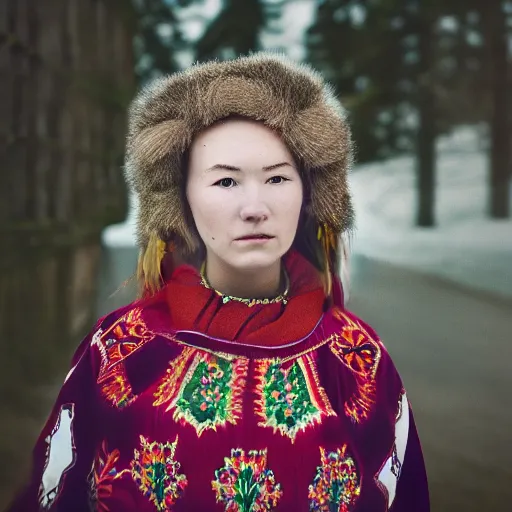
point(453, 348)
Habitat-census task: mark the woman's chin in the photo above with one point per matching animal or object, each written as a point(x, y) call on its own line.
point(254, 261)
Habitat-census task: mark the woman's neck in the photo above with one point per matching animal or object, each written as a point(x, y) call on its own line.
point(252, 284)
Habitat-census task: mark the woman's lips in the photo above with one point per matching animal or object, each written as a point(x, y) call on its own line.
point(255, 238)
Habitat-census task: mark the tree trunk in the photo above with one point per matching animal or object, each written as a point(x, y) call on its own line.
point(426, 137)
point(499, 172)
point(64, 75)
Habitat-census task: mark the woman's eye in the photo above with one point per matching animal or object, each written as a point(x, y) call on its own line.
point(277, 179)
point(226, 183)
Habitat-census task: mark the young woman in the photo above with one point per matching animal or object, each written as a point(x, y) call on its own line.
point(238, 382)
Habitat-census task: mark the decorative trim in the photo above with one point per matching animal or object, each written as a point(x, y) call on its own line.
point(56, 464)
point(389, 473)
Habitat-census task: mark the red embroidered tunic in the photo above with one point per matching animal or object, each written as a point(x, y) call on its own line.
point(186, 403)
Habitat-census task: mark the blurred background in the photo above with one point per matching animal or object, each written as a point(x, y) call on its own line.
point(427, 87)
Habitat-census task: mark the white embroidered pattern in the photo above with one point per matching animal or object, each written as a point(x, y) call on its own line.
point(387, 478)
point(60, 457)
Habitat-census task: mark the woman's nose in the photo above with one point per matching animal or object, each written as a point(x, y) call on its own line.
point(255, 211)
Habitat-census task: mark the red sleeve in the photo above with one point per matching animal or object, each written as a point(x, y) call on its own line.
point(63, 454)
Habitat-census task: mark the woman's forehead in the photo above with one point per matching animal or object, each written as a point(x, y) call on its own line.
point(239, 144)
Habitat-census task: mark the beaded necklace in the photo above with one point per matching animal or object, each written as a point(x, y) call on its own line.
point(283, 297)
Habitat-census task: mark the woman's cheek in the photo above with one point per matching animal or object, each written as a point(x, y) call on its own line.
point(214, 217)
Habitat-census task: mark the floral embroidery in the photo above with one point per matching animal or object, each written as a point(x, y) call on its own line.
point(102, 475)
point(155, 471)
point(335, 487)
point(291, 399)
point(204, 390)
point(245, 484)
point(361, 355)
point(117, 390)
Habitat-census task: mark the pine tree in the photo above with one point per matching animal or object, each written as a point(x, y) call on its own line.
point(394, 67)
point(236, 30)
point(159, 37)
point(361, 46)
point(438, 63)
point(331, 47)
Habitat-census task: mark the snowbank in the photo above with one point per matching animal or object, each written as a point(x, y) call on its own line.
point(466, 246)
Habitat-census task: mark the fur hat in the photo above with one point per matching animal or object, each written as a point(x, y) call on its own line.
point(290, 98)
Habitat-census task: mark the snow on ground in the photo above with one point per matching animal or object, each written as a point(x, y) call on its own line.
point(466, 246)
point(123, 234)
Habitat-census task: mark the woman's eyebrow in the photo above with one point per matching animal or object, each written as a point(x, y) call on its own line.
point(276, 166)
point(224, 167)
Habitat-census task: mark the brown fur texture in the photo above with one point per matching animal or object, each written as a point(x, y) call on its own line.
point(290, 98)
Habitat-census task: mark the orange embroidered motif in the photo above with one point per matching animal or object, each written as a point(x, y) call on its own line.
point(116, 388)
point(290, 399)
point(120, 340)
point(116, 343)
point(169, 387)
point(101, 478)
point(354, 347)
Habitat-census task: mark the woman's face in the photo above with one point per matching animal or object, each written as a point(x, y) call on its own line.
point(245, 194)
